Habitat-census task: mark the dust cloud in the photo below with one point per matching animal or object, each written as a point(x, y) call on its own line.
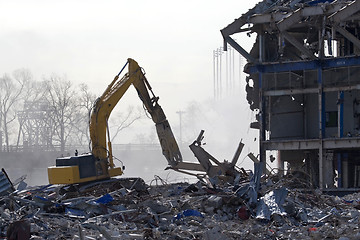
point(225, 122)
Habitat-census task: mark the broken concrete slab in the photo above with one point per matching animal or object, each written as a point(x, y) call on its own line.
point(6, 186)
point(168, 212)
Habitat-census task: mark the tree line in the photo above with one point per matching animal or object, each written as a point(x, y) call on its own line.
point(49, 113)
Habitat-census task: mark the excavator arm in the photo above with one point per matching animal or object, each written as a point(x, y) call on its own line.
point(105, 104)
point(101, 156)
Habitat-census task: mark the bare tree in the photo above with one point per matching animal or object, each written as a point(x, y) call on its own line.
point(52, 112)
point(125, 119)
point(11, 90)
point(86, 101)
point(149, 138)
point(62, 98)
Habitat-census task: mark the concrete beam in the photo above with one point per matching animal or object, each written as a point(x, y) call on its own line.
point(267, 18)
point(233, 27)
point(284, 92)
point(299, 14)
point(345, 88)
point(291, 144)
point(299, 45)
point(345, 142)
point(189, 166)
point(286, 23)
point(328, 143)
point(305, 12)
point(305, 65)
point(345, 12)
point(255, 160)
point(290, 92)
point(242, 51)
point(348, 35)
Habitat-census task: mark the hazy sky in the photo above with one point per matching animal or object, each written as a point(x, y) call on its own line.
point(89, 41)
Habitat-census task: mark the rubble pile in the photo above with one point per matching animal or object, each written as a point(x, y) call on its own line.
point(131, 209)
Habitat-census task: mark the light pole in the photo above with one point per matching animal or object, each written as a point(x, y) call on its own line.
point(180, 119)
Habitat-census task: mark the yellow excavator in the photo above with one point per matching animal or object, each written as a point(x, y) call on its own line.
point(99, 164)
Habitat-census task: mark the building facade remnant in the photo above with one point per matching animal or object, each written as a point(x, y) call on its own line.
point(303, 80)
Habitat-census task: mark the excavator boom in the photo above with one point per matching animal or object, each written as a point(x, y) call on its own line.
point(99, 164)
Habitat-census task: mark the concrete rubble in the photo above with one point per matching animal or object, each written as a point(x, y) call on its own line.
point(284, 207)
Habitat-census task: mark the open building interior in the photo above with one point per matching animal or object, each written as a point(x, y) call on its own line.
point(303, 82)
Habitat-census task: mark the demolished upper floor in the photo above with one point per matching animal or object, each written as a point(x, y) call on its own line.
point(298, 30)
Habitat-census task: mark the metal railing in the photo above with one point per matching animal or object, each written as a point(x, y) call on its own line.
point(80, 148)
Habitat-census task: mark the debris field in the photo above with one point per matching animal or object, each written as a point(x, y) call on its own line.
point(285, 207)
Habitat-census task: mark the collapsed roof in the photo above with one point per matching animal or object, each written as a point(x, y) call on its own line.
point(298, 30)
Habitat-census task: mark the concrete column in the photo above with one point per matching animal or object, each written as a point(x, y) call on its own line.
point(280, 164)
point(262, 136)
point(321, 100)
point(340, 114)
point(328, 170)
point(261, 48)
point(339, 169)
point(321, 166)
point(345, 170)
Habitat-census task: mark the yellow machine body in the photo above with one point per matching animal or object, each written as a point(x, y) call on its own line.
point(70, 175)
point(99, 164)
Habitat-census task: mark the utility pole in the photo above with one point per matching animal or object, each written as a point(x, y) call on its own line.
point(180, 119)
point(214, 71)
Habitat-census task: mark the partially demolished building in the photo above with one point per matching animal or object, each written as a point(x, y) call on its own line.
point(304, 82)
